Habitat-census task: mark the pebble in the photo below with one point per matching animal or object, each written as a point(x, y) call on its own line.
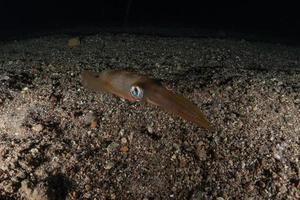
point(149, 129)
point(183, 162)
point(37, 128)
point(20, 174)
point(283, 189)
point(34, 152)
point(88, 187)
point(37, 193)
point(173, 158)
point(74, 42)
point(111, 147)
point(124, 149)
point(113, 196)
point(74, 195)
point(24, 90)
point(8, 186)
point(89, 117)
point(123, 140)
point(276, 156)
point(201, 151)
point(109, 165)
point(122, 131)
point(130, 138)
point(4, 78)
point(94, 124)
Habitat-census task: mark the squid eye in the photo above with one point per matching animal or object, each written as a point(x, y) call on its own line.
point(137, 92)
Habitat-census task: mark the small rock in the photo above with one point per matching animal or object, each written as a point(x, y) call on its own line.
point(276, 156)
point(255, 108)
point(94, 124)
point(41, 173)
point(4, 78)
point(24, 90)
point(113, 196)
point(122, 131)
point(113, 146)
point(201, 151)
point(7, 186)
point(38, 193)
point(37, 128)
point(298, 185)
point(182, 162)
point(34, 152)
point(89, 118)
point(73, 195)
point(277, 153)
point(109, 165)
point(149, 129)
point(283, 189)
point(123, 140)
point(88, 187)
point(74, 42)
point(173, 158)
point(130, 138)
point(124, 149)
point(20, 174)
point(87, 195)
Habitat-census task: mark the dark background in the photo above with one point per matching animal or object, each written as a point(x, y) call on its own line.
point(267, 18)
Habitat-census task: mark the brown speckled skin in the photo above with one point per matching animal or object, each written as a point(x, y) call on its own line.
point(119, 82)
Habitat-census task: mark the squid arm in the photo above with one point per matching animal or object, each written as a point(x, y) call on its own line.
point(135, 87)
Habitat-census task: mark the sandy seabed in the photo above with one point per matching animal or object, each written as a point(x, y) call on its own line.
point(60, 141)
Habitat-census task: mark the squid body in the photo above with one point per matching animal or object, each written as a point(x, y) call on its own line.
point(139, 88)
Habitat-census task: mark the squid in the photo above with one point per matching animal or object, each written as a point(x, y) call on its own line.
point(139, 88)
